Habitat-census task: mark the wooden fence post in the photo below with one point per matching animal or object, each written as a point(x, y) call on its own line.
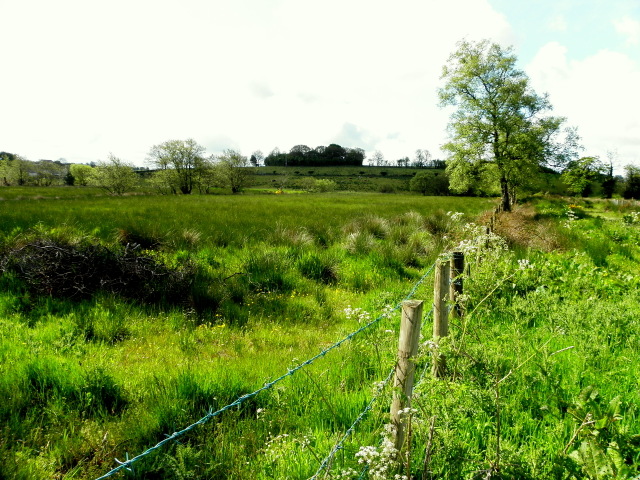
point(456, 268)
point(440, 315)
point(405, 368)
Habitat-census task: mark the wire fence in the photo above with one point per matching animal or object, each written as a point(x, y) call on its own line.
point(128, 463)
point(327, 461)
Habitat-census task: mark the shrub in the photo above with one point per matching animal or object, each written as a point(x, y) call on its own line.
point(430, 183)
point(319, 185)
point(325, 185)
point(77, 268)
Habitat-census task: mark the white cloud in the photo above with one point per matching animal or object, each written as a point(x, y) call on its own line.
point(628, 28)
point(88, 78)
point(598, 94)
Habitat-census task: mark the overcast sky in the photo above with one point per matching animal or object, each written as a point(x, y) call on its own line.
point(83, 78)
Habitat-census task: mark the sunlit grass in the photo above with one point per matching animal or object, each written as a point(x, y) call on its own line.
point(87, 381)
point(220, 219)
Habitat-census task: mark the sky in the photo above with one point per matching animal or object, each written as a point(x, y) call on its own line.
point(85, 78)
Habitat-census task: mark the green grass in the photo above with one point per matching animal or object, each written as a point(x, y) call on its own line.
point(540, 352)
point(361, 179)
point(49, 193)
point(220, 219)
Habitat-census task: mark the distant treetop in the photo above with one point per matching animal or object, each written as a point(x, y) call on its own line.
point(302, 155)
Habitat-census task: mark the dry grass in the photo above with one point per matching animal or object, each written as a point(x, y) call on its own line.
point(521, 228)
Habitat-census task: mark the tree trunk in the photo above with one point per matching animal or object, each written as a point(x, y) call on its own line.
point(514, 198)
point(506, 202)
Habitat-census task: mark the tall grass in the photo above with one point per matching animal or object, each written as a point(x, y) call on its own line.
point(541, 370)
point(218, 220)
point(90, 379)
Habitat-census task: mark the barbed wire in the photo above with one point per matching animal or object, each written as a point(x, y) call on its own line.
point(426, 365)
point(366, 410)
point(127, 464)
point(418, 283)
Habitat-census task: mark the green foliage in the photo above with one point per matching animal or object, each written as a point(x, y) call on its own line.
point(114, 175)
point(301, 155)
point(352, 179)
point(542, 370)
point(17, 171)
point(231, 171)
point(81, 174)
point(318, 185)
point(499, 122)
point(632, 182)
point(322, 266)
point(182, 161)
point(430, 183)
point(604, 447)
point(579, 174)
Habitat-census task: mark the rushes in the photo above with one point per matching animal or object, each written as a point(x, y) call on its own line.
point(90, 377)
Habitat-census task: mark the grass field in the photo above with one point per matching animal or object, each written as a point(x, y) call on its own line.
point(542, 369)
point(361, 179)
point(218, 219)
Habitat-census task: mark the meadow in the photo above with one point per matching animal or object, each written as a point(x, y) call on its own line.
point(541, 370)
point(354, 179)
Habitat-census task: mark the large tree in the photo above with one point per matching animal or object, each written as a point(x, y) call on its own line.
point(81, 173)
point(579, 174)
point(500, 127)
point(231, 170)
point(14, 170)
point(114, 175)
point(632, 182)
point(183, 161)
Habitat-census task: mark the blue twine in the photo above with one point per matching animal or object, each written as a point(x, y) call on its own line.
point(393, 369)
point(126, 465)
point(418, 283)
point(338, 445)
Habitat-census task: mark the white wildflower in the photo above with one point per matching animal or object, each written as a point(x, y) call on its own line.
point(524, 264)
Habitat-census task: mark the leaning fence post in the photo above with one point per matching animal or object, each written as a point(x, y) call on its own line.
point(440, 315)
point(456, 268)
point(407, 347)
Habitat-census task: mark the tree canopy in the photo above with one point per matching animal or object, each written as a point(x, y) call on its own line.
point(632, 182)
point(114, 175)
point(430, 183)
point(229, 170)
point(501, 128)
point(81, 174)
point(579, 174)
point(302, 155)
point(15, 170)
point(182, 162)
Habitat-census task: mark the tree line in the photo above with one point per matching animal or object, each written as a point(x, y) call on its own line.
point(304, 156)
point(15, 170)
point(180, 166)
point(502, 140)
